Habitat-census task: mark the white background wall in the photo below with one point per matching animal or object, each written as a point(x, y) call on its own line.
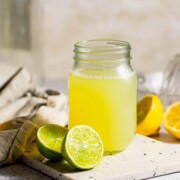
point(151, 26)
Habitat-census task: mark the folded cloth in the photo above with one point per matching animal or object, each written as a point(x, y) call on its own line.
point(23, 109)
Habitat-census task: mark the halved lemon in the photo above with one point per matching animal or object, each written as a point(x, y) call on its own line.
point(172, 120)
point(149, 115)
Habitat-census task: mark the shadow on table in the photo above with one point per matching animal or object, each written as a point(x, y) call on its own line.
point(61, 166)
point(166, 138)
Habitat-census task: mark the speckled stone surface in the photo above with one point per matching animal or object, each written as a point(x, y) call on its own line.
point(144, 158)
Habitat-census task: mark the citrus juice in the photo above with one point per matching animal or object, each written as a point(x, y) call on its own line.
point(106, 104)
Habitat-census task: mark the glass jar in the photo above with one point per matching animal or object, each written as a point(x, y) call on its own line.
point(102, 91)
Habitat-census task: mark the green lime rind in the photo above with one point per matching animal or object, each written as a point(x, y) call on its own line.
point(82, 147)
point(48, 153)
point(49, 140)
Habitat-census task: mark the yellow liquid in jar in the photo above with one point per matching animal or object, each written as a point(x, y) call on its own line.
point(107, 105)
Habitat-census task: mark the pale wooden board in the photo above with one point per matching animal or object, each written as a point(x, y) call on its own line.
point(144, 158)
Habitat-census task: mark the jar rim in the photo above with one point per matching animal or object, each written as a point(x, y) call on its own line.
point(102, 45)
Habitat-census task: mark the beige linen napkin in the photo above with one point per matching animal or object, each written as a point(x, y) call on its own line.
point(23, 109)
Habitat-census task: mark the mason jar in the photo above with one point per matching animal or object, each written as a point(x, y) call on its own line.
point(102, 91)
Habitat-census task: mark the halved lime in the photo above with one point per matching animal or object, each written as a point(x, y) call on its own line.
point(82, 147)
point(49, 140)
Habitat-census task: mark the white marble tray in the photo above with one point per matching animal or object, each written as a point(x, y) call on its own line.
point(144, 158)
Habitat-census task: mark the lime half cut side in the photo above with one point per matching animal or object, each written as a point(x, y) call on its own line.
point(49, 140)
point(82, 147)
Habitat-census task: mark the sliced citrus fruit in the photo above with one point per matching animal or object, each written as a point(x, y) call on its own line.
point(149, 115)
point(49, 140)
point(172, 120)
point(82, 147)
